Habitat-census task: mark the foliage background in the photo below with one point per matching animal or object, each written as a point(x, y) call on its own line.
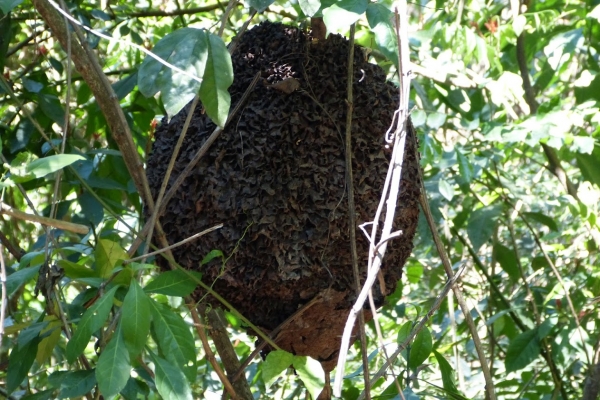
point(505, 101)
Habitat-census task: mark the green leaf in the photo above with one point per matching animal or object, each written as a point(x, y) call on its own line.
point(404, 332)
point(260, 5)
point(136, 319)
point(522, 350)
point(7, 5)
point(92, 320)
point(108, 255)
point(49, 342)
point(446, 189)
point(173, 283)
point(464, 167)
point(311, 373)
point(77, 383)
point(218, 76)
point(448, 377)
point(508, 261)
point(199, 54)
point(50, 105)
point(310, 7)
point(482, 224)
point(173, 337)
point(112, 371)
point(211, 256)
point(47, 165)
point(16, 279)
point(381, 21)
point(277, 361)
point(170, 380)
point(421, 348)
point(19, 363)
point(543, 219)
point(75, 271)
point(414, 272)
point(343, 13)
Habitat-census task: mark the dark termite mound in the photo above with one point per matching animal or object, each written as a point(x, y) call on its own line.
point(276, 179)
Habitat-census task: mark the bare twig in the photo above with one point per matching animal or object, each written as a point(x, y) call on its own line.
point(207, 350)
point(352, 208)
point(418, 328)
point(56, 223)
point(4, 295)
point(389, 196)
point(218, 332)
point(489, 383)
point(174, 13)
point(192, 164)
point(171, 247)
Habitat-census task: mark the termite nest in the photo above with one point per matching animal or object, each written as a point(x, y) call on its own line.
point(276, 179)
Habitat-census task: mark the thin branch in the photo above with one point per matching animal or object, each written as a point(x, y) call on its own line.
point(174, 13)
point(418, 328)
point(218, 332)
point(87, 64)
point(191, 165)
point(389, 196)
point(207, 350)
point(171, 247)
point(56, 223)
point(13, 249)
point(4, 304)
point(352, 208)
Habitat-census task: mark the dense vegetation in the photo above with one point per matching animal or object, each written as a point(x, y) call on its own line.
point(505, 98)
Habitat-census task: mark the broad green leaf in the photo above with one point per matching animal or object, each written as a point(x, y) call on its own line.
point(201, 55)
point(589, 164)
point(50, 105)
point(522, 350)
point(414, 272)
point(311, 373)
point(75, 384)
point(343, 13)
point(7, 5)
point(16, 279)
point(508, 261)
point(173, 337)
point(170, 380)
point(421, 348)
point(90, 322)
point(260, 5)
point(211, 256)
point(218, 76)
point(543, 219)
point(448, 373)
point(404, 332)
point(310, 7)
point(446, 189)
point(381, 21)
point(48, 343)
point(42, 395)
point(135, 321)
point(74, 270)
point(47, 165)
point(482, 224)
point(112, 371)
point(108, 255)
point(464, 167)
point(277, 361)
point(19, 362)
point(173, 283)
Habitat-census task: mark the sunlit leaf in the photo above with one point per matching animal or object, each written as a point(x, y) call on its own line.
point(108, 254)
point(170, 380)
point(136, 319)
point(90, 322)
point(420, 348)
point(522, 350)
point(310, 7)
point(311, 373)
point(113, 367)
point(173, 283)
point(277, 361)
point(343, 13)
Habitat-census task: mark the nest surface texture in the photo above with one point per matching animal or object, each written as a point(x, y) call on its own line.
point(276, 179)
